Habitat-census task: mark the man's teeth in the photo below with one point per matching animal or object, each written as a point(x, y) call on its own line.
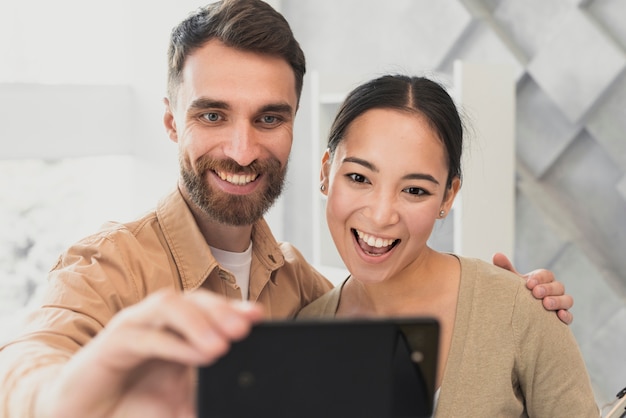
point(238, 179)
point(373, 241)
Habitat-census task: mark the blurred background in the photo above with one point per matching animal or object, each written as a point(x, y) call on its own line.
point(82, 140)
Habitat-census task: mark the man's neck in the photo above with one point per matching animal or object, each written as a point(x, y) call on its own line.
point(225, 237)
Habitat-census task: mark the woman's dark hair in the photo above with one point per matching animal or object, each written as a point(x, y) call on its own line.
point(409, 94)
point(248, 25)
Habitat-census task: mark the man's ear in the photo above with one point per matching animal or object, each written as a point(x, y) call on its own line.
point(169, 121)
point(325, 172)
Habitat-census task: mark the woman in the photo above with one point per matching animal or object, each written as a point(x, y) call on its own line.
point(392, 168)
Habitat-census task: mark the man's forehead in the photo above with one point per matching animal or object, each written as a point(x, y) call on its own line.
point(226, 74)
point(219, 60)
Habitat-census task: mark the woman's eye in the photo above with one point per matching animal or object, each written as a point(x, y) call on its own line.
point(417, 191)
point(211, 117)
point(357, 178)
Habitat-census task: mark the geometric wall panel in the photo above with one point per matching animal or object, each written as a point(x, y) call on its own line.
point(610, 367)
point(576, 65)
point(621, 188)
point(480, 43)
point(610, 16)
point(583, 181)
point(542, 131)
point(538, 243)
point(599, 322)
point(530, 22)
point(607, 122)
point(374, 49)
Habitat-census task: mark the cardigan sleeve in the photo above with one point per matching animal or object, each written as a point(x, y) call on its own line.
point(551, 369)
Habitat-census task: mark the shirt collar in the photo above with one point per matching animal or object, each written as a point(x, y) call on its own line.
point(190, 251)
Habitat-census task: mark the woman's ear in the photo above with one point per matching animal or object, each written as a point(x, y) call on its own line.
point(169, 121)
point(450, 195)
point(325, 172)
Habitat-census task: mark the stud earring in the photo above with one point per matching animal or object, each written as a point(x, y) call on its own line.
point(322, 187)
point(441, 213)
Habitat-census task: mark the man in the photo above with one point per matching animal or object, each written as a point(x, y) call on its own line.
point(133, 309)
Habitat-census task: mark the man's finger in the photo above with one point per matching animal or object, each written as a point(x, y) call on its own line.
point(566, 316)
point(503, 261)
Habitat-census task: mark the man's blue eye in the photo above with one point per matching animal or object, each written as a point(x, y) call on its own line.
point(269, 119)
point(212, 117)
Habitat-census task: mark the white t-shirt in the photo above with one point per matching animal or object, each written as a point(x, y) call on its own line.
point(238, 264)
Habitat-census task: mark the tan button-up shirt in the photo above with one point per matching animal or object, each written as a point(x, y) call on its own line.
point(123, 263)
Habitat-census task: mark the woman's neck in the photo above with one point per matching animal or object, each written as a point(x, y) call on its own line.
point(419, 289)
point(431, 290)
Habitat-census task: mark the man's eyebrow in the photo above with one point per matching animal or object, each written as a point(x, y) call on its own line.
point(207, 103)
point(372, 167)
point(203, 103)
point(277, 108)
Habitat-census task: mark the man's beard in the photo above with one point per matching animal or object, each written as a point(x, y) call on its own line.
point(228, 208)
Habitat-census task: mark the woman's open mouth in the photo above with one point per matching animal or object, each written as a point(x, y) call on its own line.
point(372, 245)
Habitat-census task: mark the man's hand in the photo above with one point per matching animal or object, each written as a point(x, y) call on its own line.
point(143, 363)
point(543, 286)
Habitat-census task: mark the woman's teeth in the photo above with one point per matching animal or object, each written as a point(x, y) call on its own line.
point(373, 241)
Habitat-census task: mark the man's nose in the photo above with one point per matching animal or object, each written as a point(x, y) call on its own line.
point(243, 146)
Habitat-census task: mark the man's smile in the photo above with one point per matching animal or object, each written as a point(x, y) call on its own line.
point(237, 179)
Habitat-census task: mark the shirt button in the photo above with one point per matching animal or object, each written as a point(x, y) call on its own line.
point(224, 275)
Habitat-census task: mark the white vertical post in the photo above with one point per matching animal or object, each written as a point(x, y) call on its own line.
point(484, 214)
point(317, 216)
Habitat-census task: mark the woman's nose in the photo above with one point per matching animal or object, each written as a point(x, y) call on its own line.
point(381, 209)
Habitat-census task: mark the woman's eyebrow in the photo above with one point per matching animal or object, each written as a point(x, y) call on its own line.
point(421, 176)
point(372, 167)
point(362, 162)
